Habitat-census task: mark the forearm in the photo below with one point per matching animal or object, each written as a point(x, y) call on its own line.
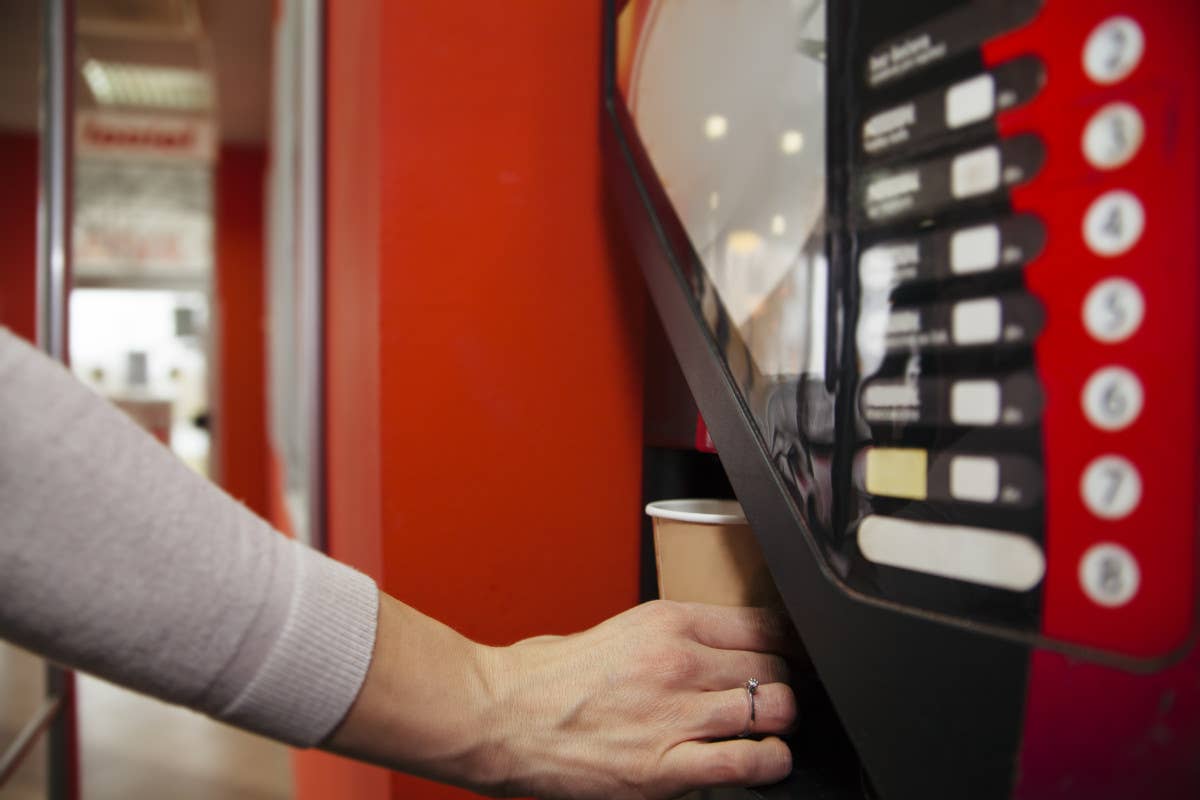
point(118, 560)
point(427, 705)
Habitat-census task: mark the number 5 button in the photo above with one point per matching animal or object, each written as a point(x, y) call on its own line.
point(1111, 487)
point(1113, 310)
point(1112, 398)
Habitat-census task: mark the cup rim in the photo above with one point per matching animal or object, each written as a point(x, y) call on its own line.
point(706, 511)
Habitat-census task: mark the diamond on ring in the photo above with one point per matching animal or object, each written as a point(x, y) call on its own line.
point(751, 689)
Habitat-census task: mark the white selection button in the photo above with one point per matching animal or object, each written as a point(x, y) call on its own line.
point(975, 479)
point(1112, 398)
point(1111, 487)
point(1113, 310)
point(1114, 223)
point(970, 101)
point(975, 249)
point(975, 173)
point(977, 321)
point(1113, 136)
point(977, 555)
point(1109, 575)
point(1113, 50)
point(975, 402)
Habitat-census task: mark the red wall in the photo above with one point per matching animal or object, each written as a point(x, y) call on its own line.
point(239, 416)
point(483, 342)
point(18, 232)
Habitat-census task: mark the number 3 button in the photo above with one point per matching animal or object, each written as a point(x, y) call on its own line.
point(1111, 487)
point(1112, 398)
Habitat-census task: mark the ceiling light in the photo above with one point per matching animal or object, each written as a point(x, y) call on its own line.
point(743, 242)
point(144, 86)
point(716, 126)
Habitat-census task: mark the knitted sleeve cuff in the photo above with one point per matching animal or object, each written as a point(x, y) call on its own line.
point(317, 665)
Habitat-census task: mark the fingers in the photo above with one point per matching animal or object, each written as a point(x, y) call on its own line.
point(721, 715)
point(738, 762)
point(724, 669)
point(725, 628)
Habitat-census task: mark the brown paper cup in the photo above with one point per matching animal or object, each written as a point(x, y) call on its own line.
point(707, 553)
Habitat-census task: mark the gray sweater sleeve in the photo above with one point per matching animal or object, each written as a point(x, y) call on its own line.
point(118, 560)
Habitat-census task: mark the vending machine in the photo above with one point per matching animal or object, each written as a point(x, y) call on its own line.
point(930, 269)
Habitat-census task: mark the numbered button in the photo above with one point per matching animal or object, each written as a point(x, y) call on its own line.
point(1113, 136)
point(1111, 487)
point(1113, 50)
point(1113, 310)
point(1109, 575)
point(1114, 223)
point(1112, 398)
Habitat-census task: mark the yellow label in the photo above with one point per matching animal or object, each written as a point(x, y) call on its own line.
point(897, 472)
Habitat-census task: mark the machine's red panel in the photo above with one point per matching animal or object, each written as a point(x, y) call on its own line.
point(1118, 279)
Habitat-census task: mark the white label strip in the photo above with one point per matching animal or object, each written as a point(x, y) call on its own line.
point(893, 186)
point(977, 555)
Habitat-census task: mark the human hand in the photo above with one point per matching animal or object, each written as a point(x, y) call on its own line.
point(640, 707)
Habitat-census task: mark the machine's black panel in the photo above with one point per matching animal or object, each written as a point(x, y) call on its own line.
point(905, 687)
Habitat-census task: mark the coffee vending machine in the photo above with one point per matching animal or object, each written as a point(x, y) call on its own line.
point(930, 269)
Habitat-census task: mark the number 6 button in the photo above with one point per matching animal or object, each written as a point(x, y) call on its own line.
point(1112, 398)
point(1111, 487)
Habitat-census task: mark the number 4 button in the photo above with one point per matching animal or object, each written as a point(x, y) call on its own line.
point(1113, 223)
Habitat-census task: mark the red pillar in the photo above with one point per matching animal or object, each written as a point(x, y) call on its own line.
point(240, 413)
point(483, 342)
point(18, 232)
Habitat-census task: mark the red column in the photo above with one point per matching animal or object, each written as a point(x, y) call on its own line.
point(483, 342)
point(18, 232)
point(240, 414)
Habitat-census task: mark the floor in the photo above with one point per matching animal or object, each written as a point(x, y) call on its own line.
point(133, 747)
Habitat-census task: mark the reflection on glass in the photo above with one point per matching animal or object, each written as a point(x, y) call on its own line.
point(145, 145)
point(729, 102)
